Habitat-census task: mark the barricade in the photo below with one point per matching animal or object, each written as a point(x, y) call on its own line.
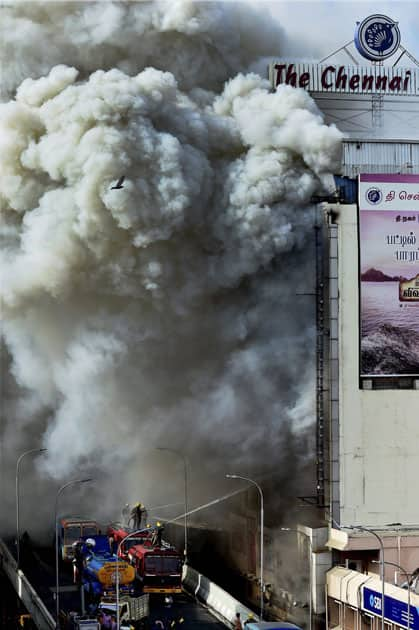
point(220, 603)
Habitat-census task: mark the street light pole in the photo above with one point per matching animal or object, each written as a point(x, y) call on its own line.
point(32, 450)
point(262, 588)
point(310, 602)
point(57, 581)
point(394, 564)
point(185, 485)
point(361, 528)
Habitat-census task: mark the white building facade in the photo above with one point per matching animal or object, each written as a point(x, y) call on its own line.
point(373, 419)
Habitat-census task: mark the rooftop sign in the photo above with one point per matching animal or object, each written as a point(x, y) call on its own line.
point(345, 79)
point(377, 37)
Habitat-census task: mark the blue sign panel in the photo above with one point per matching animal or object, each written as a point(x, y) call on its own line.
point(394, 610)
point(377, 37)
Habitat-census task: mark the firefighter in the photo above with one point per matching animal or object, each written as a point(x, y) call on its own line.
point(249, 619)
point(168, 601)
point(138, 516)
point(156, 539)
point(25, 621)
point(106, 620)
point(77, 561)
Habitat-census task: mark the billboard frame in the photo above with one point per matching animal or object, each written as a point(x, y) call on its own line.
point(377, 178)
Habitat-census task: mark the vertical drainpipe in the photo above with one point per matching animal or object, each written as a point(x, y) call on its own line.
point(398, 548)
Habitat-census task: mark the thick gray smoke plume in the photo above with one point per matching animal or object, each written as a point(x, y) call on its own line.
point(164, 313)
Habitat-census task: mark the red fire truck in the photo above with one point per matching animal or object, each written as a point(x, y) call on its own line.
point(158, 565)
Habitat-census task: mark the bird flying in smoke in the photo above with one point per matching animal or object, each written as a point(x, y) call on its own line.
point(119, 183)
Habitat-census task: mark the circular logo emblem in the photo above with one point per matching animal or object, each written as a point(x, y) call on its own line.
point(373, 196)
point(377, 37)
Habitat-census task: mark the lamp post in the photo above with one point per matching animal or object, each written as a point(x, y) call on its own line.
point(394, 564)
point(32, 450)
point(185, 485)
point(288, 529)
point(361, 528)
point(57, 582)
point(261, 535)
point(118, 550)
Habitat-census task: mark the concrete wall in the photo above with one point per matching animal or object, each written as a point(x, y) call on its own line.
point(401, 548)
point(220, 603)
point(379, 429)
point(352, 114)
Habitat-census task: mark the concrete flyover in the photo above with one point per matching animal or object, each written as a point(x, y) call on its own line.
point(217, 601)
point(41, 617)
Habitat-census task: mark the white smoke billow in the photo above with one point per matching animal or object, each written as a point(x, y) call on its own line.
point(164, 312)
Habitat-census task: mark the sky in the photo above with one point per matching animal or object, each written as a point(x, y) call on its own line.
point(318, 28)
point(310, 21)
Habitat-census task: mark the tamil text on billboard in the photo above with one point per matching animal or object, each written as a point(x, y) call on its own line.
point(389, 274)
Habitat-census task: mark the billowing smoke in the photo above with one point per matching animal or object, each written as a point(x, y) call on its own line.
point(168, 311)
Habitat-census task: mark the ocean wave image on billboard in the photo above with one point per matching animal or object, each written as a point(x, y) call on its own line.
point(389, 280)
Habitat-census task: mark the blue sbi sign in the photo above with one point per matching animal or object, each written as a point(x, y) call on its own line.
point(394, 609)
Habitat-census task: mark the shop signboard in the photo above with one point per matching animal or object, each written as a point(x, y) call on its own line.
point(394, 609)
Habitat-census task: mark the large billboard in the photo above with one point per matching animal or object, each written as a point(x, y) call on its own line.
point(389, 274)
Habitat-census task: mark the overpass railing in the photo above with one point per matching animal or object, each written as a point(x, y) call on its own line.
point(220, 603)
point(40, 615)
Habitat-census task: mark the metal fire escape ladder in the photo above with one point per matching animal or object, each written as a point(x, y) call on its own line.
point(319, 498)
point(320, 421)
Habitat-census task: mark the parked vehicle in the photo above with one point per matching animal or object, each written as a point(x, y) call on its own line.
point(133, 609)
point(70, 530)
point(98, 573)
